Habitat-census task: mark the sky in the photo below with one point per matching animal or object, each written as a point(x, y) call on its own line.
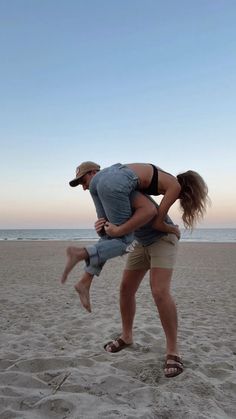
point(114, 81)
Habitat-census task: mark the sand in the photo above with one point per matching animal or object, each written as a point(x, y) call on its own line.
point(52, 361)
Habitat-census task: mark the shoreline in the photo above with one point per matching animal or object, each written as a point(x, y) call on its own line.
point(206, 235)
point(96, 240)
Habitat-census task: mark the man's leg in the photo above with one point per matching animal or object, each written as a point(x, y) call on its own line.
point(83, 287)
point(160, 280)
point(74, 255)
point(128, 288)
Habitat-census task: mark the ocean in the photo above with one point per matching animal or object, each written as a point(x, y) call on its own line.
point(212, 235)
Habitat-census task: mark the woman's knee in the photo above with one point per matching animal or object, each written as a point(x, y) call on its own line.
point(160, 281)
point(126, 288)
point(160, 294)
point(130, 282)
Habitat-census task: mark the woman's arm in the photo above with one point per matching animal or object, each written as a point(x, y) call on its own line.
point(171, 194)
point(144, 211)
point(166, 228)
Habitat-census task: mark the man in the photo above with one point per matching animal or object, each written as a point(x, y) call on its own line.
point(110, 189)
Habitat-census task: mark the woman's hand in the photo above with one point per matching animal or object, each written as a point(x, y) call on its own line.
point(160, 225)
point(176, 231)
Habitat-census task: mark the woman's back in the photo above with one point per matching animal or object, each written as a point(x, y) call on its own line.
point(145, 173)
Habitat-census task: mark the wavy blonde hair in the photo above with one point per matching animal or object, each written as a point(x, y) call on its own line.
point(193, 197)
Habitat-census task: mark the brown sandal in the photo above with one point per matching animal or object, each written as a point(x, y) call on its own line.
point(116, 348)
point(177, 365)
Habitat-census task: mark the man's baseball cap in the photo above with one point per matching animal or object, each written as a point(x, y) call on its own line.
point(82, 169)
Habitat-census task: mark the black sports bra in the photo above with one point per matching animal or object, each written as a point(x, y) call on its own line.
point(152, 189)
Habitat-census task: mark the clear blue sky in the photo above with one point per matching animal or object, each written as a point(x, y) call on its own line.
point(108, 81)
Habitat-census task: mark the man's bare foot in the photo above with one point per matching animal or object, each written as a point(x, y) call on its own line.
point(83, 291)
point(74, 255)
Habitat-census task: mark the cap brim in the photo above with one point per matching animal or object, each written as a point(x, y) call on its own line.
point(75, 182)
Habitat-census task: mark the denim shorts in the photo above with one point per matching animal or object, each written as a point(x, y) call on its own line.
point(110, 190)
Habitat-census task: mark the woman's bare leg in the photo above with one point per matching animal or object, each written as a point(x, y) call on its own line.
point(160, 280)
point(130, 282)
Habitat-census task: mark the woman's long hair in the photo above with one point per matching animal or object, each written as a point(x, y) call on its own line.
point(193, 197)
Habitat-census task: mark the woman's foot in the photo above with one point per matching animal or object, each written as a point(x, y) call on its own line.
point(173, 366)
point(116, 345)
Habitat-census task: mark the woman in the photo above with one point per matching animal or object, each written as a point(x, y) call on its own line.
point(189, 187)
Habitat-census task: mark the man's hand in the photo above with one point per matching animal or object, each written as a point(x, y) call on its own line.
point(111, 229)
point(99, 226)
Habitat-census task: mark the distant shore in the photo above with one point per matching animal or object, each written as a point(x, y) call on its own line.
point(199, 235)
point(52, 361)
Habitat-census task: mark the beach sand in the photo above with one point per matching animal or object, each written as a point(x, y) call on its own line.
point(52, 361)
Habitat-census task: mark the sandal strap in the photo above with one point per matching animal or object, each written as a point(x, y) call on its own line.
point(174, 358)
point(116, 345)
point(120, 341)
point(176, 366)
point(113, 345)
